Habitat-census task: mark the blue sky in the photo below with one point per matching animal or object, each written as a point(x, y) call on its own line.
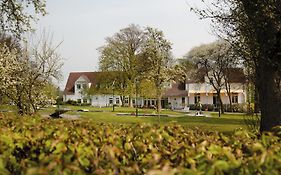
point(83, 25)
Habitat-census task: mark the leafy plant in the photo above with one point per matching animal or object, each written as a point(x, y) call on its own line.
point(31, 145)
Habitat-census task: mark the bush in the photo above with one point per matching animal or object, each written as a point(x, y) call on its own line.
point(208, 107)
point(45, 146)
point(192, 107)
point(235, 108)
point(85, 104)
point(211, 107)
point(71, 102)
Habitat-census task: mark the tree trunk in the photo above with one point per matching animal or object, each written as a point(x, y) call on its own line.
point(229, 96)
point(20, 108)
point(159, 97)
point(221, 108)
point(122, 98)
point(130, 101)
point(256, 101)
point(269, 97)
point(159, 107)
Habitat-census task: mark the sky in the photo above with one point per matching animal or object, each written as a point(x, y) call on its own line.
point(83, 25)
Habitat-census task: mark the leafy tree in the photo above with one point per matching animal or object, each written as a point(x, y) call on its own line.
point(184, 68)
point(253, 27)
point(156, 60)
point(17, 16)
point(120, 54)
point(147, 88)
point(52, 93)
point(108, 83)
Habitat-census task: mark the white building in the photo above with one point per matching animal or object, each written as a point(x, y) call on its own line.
point(79, 81)
point(197, 89)
point(177, 96)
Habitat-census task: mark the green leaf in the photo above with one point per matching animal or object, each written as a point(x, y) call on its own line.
point(84, 161)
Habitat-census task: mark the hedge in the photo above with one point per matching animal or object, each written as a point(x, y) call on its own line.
point(47, 146)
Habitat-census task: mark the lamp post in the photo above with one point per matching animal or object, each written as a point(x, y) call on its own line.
point(136, 101)
point(58, 96)
point(113, 109)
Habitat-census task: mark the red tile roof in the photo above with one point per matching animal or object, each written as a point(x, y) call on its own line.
point(236, 75)
point(73, 76)
point(177, 90)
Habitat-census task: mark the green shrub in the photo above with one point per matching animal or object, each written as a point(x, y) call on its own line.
point(45, 146)
point(71, 102)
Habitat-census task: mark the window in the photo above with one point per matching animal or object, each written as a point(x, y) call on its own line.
point(215, 99)
point(84, 86)
point(126, 100)
point(78, 100)
point(78, 86)
point(183, 100)
point(234, 98)
point(85, 100)
point(196, 98)
point(117, 101)
point(110, 100)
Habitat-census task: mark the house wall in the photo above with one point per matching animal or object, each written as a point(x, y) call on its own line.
point(104, 100)
point(207, 98)
point(176, 102)
point(207, 92)
point(242, 97)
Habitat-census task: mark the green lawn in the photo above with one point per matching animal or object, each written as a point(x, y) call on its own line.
point(226, 123)
point(7, 108)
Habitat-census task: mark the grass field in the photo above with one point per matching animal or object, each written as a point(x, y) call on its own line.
point(226, 123)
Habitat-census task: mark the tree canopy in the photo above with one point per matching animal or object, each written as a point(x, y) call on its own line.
point(156, 60)
point(120, 54)
point(143, 56)
point(17, 15)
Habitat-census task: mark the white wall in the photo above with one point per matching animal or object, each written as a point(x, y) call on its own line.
point(208, 98)
point(176, 102)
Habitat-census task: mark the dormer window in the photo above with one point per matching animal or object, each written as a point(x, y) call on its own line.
point(78, 86)
point(84, 86)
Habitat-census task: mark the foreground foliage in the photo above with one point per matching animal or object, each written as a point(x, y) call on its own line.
point(46, 146)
